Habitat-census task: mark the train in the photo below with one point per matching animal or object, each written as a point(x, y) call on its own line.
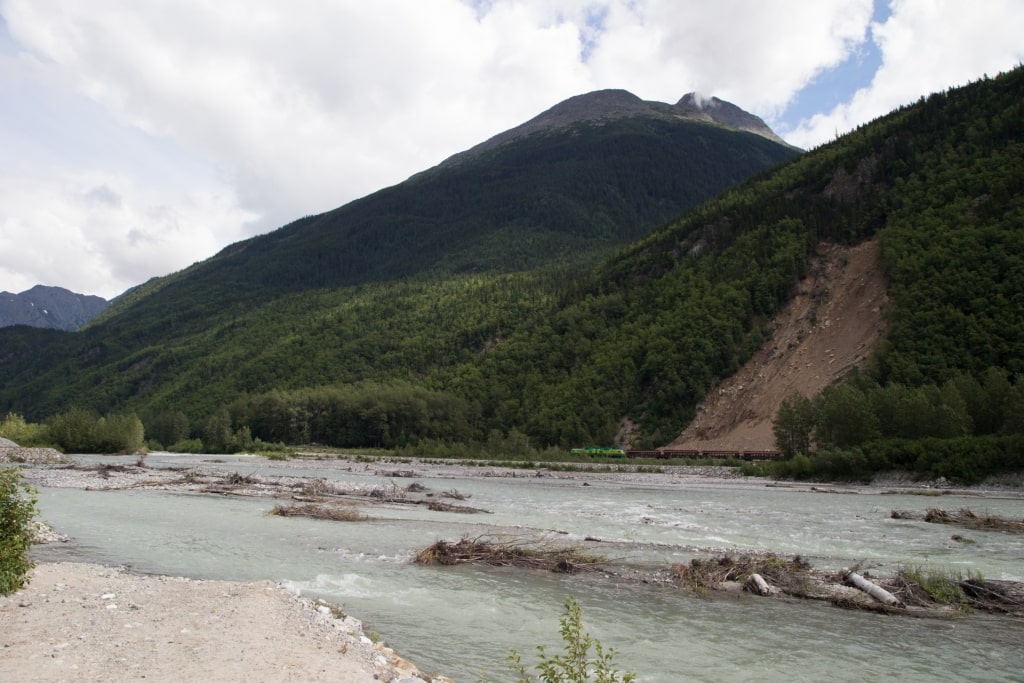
point(676, 454)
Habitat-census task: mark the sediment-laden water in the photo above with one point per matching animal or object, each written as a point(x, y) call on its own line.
point(462, 621)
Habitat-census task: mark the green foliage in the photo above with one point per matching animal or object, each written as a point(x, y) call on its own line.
point(81, 431)
point(187, 446)
point(844, 417)
point(17, 512)
point(964, 430)
point(942, 586)
point(16, 429)
point(793, 425)
point(363, 415)
point(575, 665)
point(965, 460)
point(167, 427)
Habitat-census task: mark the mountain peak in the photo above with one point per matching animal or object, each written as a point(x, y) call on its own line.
point(610, 104)
point(52, 307)
point(694, 105)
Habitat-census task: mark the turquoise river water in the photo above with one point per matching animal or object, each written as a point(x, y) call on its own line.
point(462, 621)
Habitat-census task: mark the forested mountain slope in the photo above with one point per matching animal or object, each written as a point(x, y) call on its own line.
point(569, 355)
point(544, 204)
point(939, 183)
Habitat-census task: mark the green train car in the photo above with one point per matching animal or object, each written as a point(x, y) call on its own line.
point(599, 452)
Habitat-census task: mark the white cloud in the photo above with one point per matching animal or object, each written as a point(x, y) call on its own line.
point(755, 54)
point(94, 233)
point(260, 112)
point(926, 46)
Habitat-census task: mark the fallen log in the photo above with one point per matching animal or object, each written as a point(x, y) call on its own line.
point(755, 583)
point(874, 590)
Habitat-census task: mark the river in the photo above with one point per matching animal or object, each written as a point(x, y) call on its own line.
point(463, 621)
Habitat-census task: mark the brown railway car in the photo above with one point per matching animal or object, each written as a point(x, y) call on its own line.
point(685, 454)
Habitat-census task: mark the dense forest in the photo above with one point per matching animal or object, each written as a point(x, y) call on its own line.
point(568, 351)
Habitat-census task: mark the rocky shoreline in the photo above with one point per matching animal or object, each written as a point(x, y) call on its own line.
point(79, 621)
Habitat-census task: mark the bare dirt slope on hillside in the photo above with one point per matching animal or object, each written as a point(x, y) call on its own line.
point(829, 327)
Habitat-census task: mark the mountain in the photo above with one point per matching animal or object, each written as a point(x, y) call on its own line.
point(603, 106)
point(568, 194)
point(49, 307)
point(594, 343)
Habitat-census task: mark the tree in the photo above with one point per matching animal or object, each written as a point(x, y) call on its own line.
point(217, 432)
point(73, 430)
point(794, 423)
point(118, 433)
point(168, 427)
point(844, 417)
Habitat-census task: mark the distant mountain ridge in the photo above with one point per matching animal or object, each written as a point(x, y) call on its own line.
point(49, 307)
point(612, 104)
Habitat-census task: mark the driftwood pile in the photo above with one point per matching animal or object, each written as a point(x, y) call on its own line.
point(441, 506)
point(508, 553)
point(773, 574)
point(964, 517)
point(909, 592)
point(337, 513)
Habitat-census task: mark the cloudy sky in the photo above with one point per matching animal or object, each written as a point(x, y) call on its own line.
point(139, 136)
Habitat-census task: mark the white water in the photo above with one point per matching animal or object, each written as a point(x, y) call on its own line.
point(462, 621)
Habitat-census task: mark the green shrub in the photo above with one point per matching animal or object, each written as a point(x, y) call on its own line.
point(187, 446)
point(17, 510)
point(82, 431)
point(24, 433)
point(575, 664)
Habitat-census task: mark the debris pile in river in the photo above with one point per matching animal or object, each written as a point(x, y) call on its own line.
point(790, 576)
point(511, 553)
point(337, 513)
point(911, 591)
point(963, 517)
point(441, 506)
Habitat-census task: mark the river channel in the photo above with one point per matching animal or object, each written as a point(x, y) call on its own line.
point(463, 621)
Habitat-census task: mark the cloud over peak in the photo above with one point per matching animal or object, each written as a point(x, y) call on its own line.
point(211, 121)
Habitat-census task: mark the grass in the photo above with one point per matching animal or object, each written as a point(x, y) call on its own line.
point(929, 587)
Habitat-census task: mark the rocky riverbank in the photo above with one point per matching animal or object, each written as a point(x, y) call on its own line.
point(12, 453)
point(77, 622)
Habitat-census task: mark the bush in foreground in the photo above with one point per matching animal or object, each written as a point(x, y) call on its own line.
point(17, 510)
point(575, 664)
